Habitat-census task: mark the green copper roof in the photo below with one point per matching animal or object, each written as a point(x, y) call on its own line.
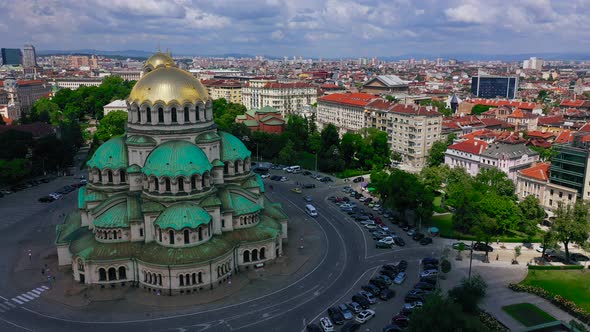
point(183, 215)
point(274, 123)
point(210, 136)
point(114, 217)
point(67, 230)
point(260, 183)
point(112, 154)
point(85, 196)
point(241, 117)
point(134, 169)
point(267, 109)
point(266, 118)
point(151, 206)
point(232, 148)
point(141, 140)
point(134, 208)
point(176, 158)
point(218, 163)
point(251, 123)
point(211, 200)
point(242, 205)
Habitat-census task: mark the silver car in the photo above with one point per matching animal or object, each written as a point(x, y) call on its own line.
point(345, 311)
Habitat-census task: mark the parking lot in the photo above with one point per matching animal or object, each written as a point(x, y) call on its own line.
point(360, 209)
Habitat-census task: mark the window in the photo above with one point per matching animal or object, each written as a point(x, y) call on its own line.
point(160, 115)
point(254, 255)
point(173, 115)
point(186, 117)
point(112, 274)
point(246, 256)
point(181, 280)
point(194, 278)
point(148, 113)
point(102, 274)
point(180, 184)
point(141, 232)
point(160, 234)
point(122, 176)
point(171, 234)
point(200, 275)
point(197, 111)
point(122, 273)
point(186, 236)
point(262, 253)
point(138, 115)
point(168, 185)
point(200, 233)
point(550, 202)
point(110, 176)
point(193, 182)
point(222, 223)
point(569, 197)
point(156, 184)
point(560, 194)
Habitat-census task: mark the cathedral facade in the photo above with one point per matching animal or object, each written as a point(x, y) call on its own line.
point(172, 206)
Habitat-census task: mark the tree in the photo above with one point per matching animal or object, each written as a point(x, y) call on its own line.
point(572, 224)
point(445, 266)
point(549, 240)
point(45, 110)
point(391, 98)
point(532, 214)
point(396, 156)
point(485, 228)
point(433, 177)
point(517, 253)
point(14, 170)
point(478, 109)
point(436, 154)
point(494, 180)
point(439, 104)
point(287, 155)
point(502, 209)
point(350, 145)
point(542, 95)
point(111, 125)
point(329, 137)
point(442, 314)
point(469, 293)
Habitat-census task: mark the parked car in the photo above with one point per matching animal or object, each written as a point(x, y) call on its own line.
point(326, 179)
point(417, 236)
point(55, 196)
point(307, 198)
point(424, 285)
point(411, 232)
point(402, 265)
point(388, 240)
point(383, 245)
point(425, 241)
point(354, 307)
point(429, 260)
point(308, 185)
point(400, 278)
point(345, 310)
point(313, 328)
point(430, 280)
point(578, 257)
point(46, 199)
point(429, 273)
point(296, 190)
point(385, 278)
point(350, 327)
point(359, 179)
point(553, 258)
point(336, 316)
point(362, 199)
point(429, 267)
point(413, 298)
point(361, 300)
point(365, 315)
point(389, 273)
point(399, 241)
point(306, 173)
point(401, 320)
point(547, 251)
point(370, 288)
point(460, 246)
point(379, 283)
point(479, 246)
point(387, 294)
point(369, 296)
point(391, 328)
point(326, 324)
point(409, 307)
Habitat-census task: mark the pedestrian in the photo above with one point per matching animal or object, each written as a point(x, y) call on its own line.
point(42, 271)
point(497, 256)
point(30, 256)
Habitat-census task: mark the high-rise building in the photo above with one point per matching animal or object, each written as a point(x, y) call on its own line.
point(494, 86)
point(29, 56)
point(533, 63)
point(11, 56)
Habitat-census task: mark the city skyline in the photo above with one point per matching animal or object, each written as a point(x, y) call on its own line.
point(328, 29)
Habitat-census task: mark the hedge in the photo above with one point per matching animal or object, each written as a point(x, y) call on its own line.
point(556, 267)
point(491, 322)
point(559, 301)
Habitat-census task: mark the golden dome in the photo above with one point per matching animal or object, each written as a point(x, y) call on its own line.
point(168, 84)
point(159, 59)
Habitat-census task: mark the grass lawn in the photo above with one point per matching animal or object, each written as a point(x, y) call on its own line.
point(445, 225)
point(528, 314)
point(571, 284)
point(436, 203)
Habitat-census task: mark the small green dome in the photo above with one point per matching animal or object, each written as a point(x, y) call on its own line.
point(176, 158)
point(140, 140)
point(134, 169)
point(232, 148)
point(183, 215)
point(112, 154)
point(210, 136)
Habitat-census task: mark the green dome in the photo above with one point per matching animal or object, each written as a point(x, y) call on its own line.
point(176, 158)
point(232, 148)
point(141, 140)
point(112, 154)
point(183, 215)
point(134, 169)
point(210, 136)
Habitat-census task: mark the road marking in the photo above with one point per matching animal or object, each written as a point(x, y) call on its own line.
point(27, 297)
point(33, 294)
point(5, 307)
point(5, 299)
point(45, 287)
point(15, 325)
point(22, 298)
point(36, 292)
point(10, 304)
point(17, 301)
point(39, 289)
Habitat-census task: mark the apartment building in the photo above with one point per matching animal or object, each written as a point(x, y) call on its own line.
point(344, 110)
point(535, 181)
point(287, 98)
point(411, 129)
point(74, 83)
point(230, 90)
point(24, 93)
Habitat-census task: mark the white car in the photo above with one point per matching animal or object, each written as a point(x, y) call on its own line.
point(264, 176)
point(399, 278)
point(364, 316)
point(283, 179)
point(371, 226)
point(345, 206)
point(55, 195)
point(387, 240)
point(362, 199)
point(547, 251)
point(429, 273)
point(326, 324)
point(413, 305)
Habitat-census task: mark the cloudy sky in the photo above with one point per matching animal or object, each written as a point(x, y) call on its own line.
point(319, 28)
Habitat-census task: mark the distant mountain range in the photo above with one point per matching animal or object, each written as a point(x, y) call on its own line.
point(417, 56)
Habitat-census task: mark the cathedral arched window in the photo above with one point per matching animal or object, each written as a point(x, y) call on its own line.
point(122, 176)
point(193, 182)
point(168, 186)
point(156, 184)
point(200, 233)
point(181, 280)
point(110, 176)
point(138, 115)
point(160, 115)
point(186, 236)
point(171, 234)
point(186, 115)
point(173, 115)
point(148, 113)
point(180, 184)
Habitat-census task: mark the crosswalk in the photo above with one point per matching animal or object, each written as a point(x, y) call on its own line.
point(22, 298)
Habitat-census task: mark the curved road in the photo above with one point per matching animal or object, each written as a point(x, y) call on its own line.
point(347, 255)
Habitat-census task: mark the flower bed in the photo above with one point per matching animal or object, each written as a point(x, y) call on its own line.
point(491, 322)
point(562, 303)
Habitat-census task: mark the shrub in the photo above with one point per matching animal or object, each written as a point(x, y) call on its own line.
point(347, 173)
point(556, 267)
point(491, 322)
point(445, 266)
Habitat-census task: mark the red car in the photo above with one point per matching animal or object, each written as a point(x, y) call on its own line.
point(401, 320)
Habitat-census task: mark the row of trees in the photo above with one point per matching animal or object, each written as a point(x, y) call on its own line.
point(364, 151)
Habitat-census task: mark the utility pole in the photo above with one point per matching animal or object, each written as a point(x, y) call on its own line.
point(470, 259)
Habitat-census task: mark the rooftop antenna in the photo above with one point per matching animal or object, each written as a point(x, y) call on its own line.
point(159, 50)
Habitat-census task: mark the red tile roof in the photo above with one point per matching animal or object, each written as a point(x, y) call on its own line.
point(275, 85)
point(496, 102)
point(538, 172)
point(545, 120)
point(490, 122)
point(355, 99)
point(520, 114)
point(414, 109)
point(26, 82)
point(482, 133)
point(473, 146)
point(540, 134)
point(565, 136)
point(571, 103)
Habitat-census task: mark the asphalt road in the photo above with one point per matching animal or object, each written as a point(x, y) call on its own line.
point(348, 258)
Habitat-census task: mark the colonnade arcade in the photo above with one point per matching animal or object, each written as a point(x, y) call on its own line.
point(179, 185)
point(170, 237)
point(236, 167)
point(107, 176)
point(173, 113)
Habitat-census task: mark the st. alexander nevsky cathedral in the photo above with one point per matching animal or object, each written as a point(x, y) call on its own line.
point(172, 206)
